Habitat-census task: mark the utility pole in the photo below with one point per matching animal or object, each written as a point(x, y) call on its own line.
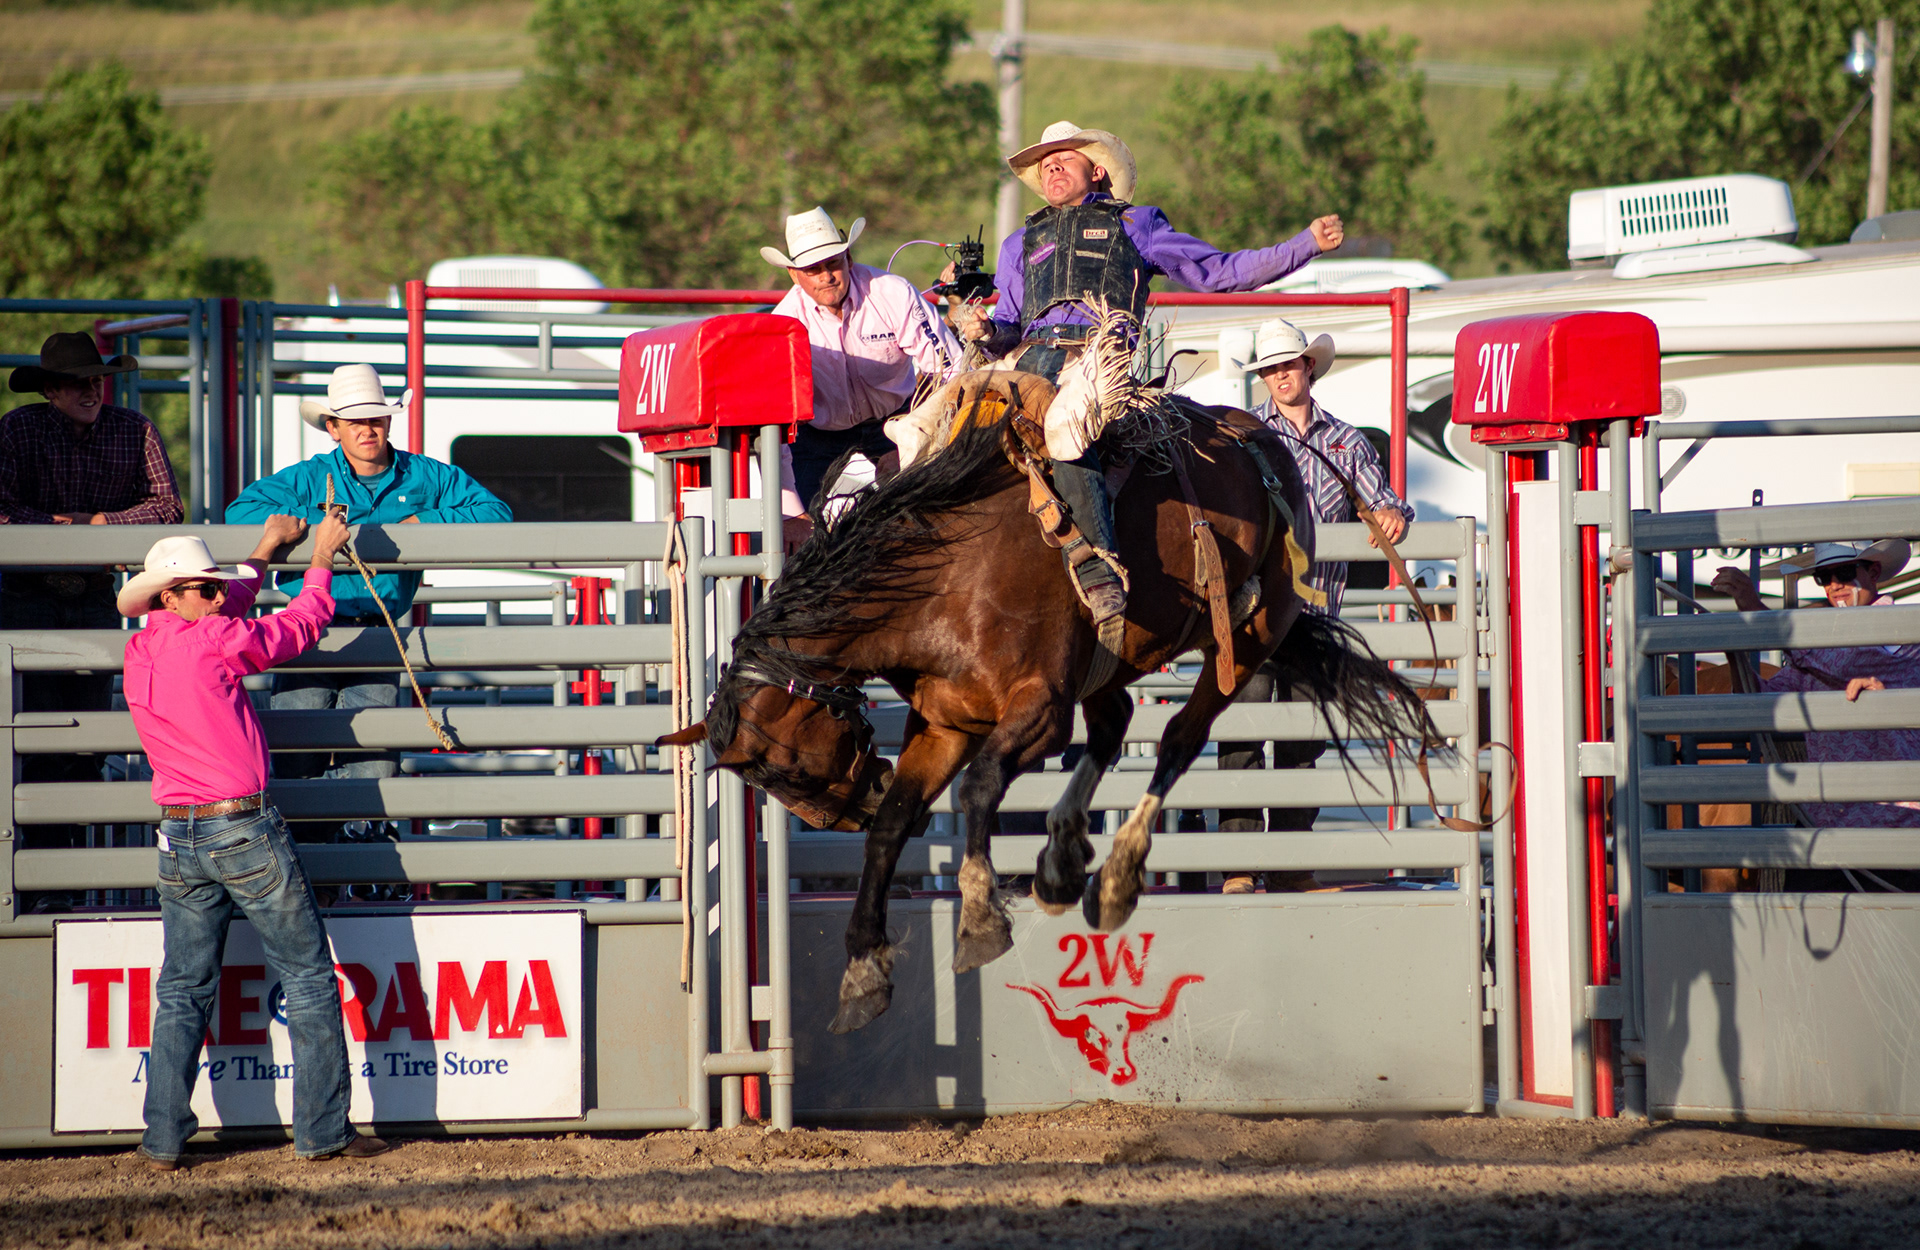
point(1009, 53)
point(1882, 143)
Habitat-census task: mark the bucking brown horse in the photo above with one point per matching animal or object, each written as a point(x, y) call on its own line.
point(938, 581)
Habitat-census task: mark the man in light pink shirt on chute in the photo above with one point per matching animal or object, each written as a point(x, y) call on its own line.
point(872, 338)
point(222, 844)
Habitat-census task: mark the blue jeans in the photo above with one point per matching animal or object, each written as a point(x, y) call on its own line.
point(211, 866)
point(309, 692)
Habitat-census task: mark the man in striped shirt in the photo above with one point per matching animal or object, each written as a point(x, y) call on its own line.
point(1289, 366)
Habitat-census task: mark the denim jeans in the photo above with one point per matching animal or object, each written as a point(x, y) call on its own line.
point(318, 691)
point(209, 867)
point(815, 450)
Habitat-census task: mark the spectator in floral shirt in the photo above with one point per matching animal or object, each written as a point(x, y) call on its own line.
point(73, 459)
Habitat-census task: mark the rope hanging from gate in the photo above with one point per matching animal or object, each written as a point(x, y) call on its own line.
point(367, 576)
point(684, 807)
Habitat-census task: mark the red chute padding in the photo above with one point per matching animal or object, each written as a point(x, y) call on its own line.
point(1531, 379)
point(680, 384)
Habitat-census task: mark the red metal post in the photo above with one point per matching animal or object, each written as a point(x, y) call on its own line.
point(1593, 729)
point(416, 302)
point(741, 460)
point(1397, 430)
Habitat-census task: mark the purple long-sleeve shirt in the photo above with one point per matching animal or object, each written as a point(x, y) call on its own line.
point(1193, 263)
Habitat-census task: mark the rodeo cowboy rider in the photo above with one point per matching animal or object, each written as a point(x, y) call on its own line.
point(1091, 242)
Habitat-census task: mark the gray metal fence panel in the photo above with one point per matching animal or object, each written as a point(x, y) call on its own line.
point(1333, 1003)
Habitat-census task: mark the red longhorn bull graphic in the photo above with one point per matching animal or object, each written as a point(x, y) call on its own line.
point(1104, 1027)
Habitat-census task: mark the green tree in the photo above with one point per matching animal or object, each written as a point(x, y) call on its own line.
point(1341, 129)
point(96, 187)
point(1708, 87)
point(660, 140)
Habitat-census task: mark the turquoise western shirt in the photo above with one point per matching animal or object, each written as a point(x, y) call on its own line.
point(412, 486)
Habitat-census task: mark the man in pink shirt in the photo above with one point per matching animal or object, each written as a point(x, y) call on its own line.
point(872, 337)
point(222, 844)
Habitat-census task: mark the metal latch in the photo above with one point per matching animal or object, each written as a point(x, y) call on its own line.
point(1593, 507)
point(1596, 759)
point(1606, 1002)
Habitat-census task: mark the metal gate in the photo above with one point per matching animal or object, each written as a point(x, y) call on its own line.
point(1777, 1007)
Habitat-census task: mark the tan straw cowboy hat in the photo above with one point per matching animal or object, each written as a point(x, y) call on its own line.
point(1277, 342)
point(354, 393)
point(170, 561)
point(812, 237)
point(1102, 147)
point(66, 359)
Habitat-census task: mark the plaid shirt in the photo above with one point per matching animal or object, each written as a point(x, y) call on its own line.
point(1348, 448)
point(117, 467)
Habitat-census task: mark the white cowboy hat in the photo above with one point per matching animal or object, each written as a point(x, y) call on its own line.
point(1102, 147)
point(1891, 554)
point(170, 561)
point(812, 237)
point(354, 393)
point(1277, 342)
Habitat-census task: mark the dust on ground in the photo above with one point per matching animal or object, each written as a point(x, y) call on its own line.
point(1101, 1175)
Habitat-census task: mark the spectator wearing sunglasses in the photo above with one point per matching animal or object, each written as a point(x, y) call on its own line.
point(1851, 575)
point(222, 844)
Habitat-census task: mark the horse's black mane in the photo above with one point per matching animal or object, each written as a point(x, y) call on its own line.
point(880, 551)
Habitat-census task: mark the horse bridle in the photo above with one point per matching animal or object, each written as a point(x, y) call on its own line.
point(843, 702)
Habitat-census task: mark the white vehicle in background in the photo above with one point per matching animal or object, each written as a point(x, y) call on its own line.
point(558, 459)
point(1751, 327)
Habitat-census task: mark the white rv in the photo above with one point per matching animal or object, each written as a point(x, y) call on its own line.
point(1751, 328)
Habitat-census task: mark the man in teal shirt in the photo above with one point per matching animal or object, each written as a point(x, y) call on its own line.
point(379, 484)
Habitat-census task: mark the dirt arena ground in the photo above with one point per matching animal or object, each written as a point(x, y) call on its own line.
point(1095, 1176)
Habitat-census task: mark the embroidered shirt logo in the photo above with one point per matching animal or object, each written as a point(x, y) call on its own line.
point(1094, 234)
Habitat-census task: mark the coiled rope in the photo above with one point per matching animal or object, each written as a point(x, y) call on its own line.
point(366, 575)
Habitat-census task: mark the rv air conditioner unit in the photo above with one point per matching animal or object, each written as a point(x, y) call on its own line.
point(1607, 223)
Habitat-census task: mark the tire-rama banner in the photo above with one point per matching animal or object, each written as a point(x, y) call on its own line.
point(447, 1018)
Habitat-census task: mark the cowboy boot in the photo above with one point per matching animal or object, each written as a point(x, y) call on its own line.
point(1083, 488)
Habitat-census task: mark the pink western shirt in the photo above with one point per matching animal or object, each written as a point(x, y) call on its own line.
point(866, 360)
point(183, 686)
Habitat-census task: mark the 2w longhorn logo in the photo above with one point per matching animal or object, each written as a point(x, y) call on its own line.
point(650, 387)
point(1103, 1027)
point(1495, 391)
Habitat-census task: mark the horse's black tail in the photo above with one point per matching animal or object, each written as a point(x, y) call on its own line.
point(1328, 661)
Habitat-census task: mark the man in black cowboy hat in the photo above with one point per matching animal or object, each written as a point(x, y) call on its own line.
point(74, 459)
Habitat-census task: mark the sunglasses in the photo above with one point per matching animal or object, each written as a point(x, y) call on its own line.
point(208, 590)
point(1842, 574)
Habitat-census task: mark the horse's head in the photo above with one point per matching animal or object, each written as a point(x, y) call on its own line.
point(807, 744)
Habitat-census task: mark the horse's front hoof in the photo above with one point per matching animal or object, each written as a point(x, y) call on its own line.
point(1055, 890)
point(982, 947)
point(866, 991)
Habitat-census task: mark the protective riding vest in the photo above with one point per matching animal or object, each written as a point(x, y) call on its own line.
point(1082, 252)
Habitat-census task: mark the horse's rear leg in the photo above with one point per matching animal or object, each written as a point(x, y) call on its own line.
point(1026, 734)
point(1060, 875)
point(1114, 890)
point(928, 762)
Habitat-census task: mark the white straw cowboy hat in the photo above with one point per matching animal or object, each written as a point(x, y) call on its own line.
point(1891, 554)
point(1102, 147)
point(812, 237)
point(170, 561)
point(354, 393)
point(1277, 342)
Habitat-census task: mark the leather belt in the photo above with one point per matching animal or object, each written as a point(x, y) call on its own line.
point(1059, 335)
point(225, 807)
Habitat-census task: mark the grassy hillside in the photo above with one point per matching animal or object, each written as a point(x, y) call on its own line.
point(267, 152)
